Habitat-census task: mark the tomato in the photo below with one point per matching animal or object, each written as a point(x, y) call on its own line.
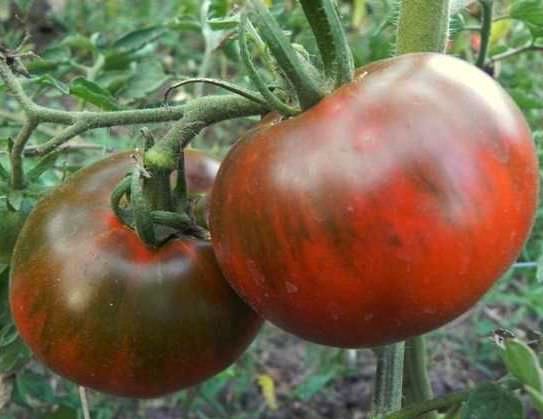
point(98, 307)
point(384, 211)
point(200, 171)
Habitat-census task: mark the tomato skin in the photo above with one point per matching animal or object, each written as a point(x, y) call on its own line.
point(98, 307)
point(383, 212)
point(200, 170)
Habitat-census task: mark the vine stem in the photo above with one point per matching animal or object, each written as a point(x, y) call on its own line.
point(417, 383)
point(389, 379)
point(199, 114)
point(423, 26)
point(516, 51)
point(486, 27)
point(84, 402)
point(77, 122)
point(331, 39)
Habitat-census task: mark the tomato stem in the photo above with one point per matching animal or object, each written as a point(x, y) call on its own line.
point(486, 28)
point(423, 26)
point(272, 99)
point(388, 380)
point(308, 89)
point(199, 113)
point(331, 39)
point(417, 387)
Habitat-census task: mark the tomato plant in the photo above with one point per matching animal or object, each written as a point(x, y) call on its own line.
point(11, 222)
point(102, 309)
point(384, 211)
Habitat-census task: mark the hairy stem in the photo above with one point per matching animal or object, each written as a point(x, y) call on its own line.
point(16, 154)
point(199, 113)
point(388, 380)
point(331, 39)
point(423, 26)
point(308, 90)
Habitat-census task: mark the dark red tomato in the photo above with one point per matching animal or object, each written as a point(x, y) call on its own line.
point(200, 171)
point(383, 212)
point(98, 307)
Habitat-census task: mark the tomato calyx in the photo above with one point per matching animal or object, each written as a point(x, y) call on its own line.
point(150, 212)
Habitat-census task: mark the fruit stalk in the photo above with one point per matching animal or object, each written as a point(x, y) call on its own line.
point(423, 26)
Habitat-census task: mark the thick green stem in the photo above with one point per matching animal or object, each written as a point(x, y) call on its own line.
point(16, 154)
point(254, 74)
point(388, 380)
point(417, 386)
point(423, 26)
point(199, 113)
point(308, 89)
point(331, 39)
point(486, 28)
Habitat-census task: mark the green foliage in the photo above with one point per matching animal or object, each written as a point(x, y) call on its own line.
point(492, 401)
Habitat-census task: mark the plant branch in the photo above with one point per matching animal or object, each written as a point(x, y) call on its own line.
point(516, 51)
point(199, 113)
point(417, 387)
point(423, 26)
point(331, 40)
point(486, 27)
point(15, 87)
point(388, 380)
point(308, 90)
point(16, 153)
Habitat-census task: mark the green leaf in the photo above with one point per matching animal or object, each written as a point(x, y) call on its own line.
point(313, 384)
point(224, 24)
point(32, 389)
point(492, 401)
point(136, 40)
point(218, 8)
point(62, 412)
point(526, 100)
point(49, 80)
point(24, 5)
point(78, 42)
point(14, 356)
point(185, 24)
point(149, 77)
point(528, 11)
point(93, 93)
point(522, 362)
point(537, 398)
point(8, 334)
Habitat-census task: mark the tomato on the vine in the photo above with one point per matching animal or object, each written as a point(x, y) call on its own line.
point(100, 308)
point(384, 211)
point(200, 170)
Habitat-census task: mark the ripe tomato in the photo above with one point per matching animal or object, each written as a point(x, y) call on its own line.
point(383, 212)
point(98, 307)
point(200, 171)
